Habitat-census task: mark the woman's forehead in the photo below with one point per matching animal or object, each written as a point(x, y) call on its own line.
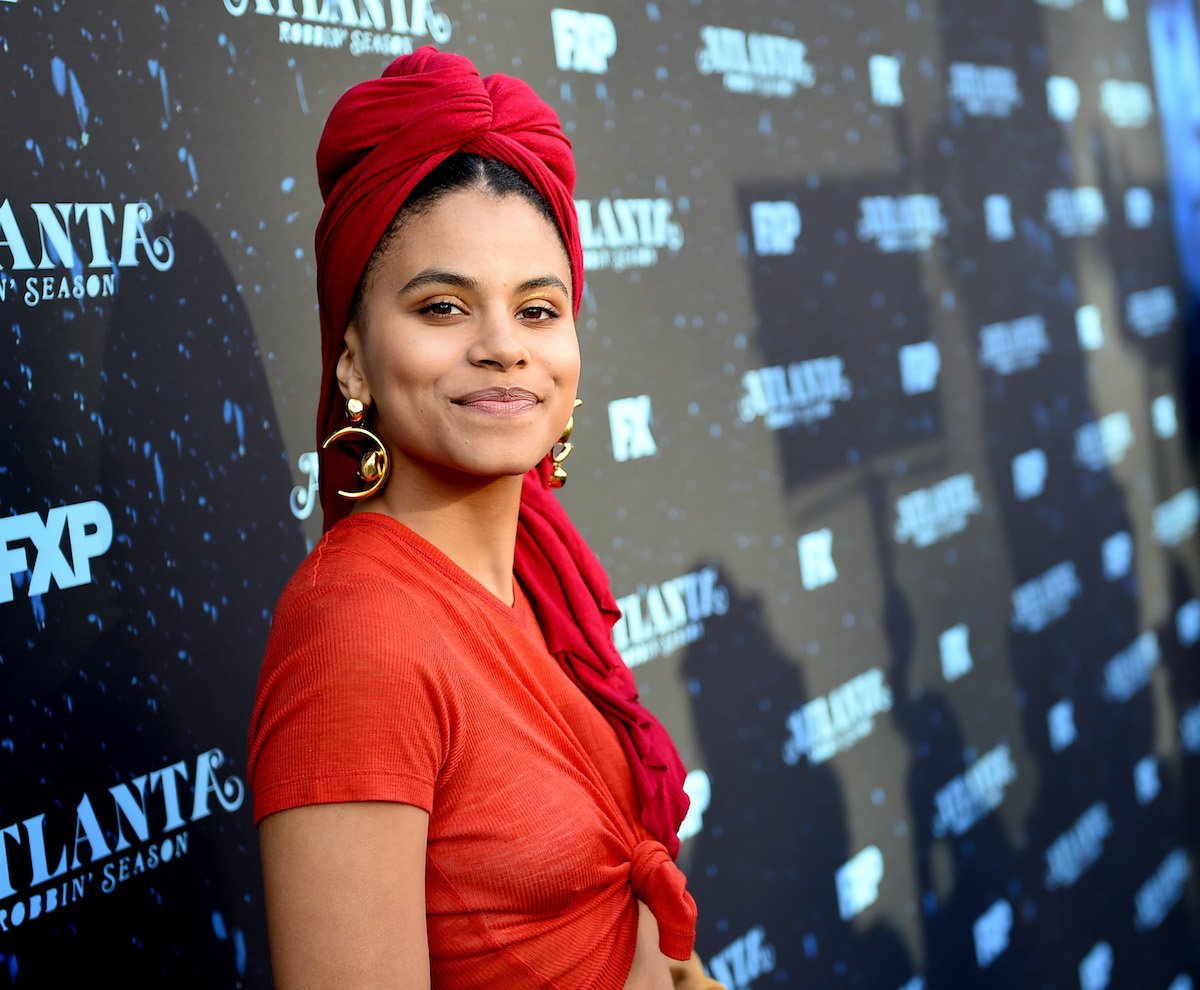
point(481, 230)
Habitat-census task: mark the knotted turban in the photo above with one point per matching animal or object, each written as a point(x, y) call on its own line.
point(382, 138)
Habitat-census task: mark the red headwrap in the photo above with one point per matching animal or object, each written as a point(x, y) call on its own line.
point(382, 137)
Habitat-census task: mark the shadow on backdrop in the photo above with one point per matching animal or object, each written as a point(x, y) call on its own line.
point(773, 834)
point(194, 474)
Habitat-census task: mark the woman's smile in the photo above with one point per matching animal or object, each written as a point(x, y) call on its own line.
point(499, 401)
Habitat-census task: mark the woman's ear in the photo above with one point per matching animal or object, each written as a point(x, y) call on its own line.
point(349, 367)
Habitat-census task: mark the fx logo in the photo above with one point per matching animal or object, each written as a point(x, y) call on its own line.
point(89, 534)
point(1089, 327)
point(1162, 414)
point(1146, 784)
point(919, 367)
point(776, 225)
point(583, 41)
point(1116, 553)
point(956, 653)
point(1187, 622)
point(1029, 474)
point(858, 882)
point(1095, 970)
point(629, 421)
point(991, 932)
point(997, 215)
point(1139, 207)
point(1060, 721)
point(885, 80)
point(1062, 98)
point(816, 559)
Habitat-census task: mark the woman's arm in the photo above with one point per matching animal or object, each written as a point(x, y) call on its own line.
point(345, 896)
point(690, 975)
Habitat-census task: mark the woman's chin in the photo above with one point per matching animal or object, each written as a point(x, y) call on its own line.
point(482, 471)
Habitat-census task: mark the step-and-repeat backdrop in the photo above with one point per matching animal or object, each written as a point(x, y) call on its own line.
point(885, 445)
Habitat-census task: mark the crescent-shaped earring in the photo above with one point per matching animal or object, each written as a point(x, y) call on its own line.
point(374, 465)
point(562, 450)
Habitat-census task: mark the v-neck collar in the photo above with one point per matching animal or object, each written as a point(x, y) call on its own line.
point(413, 541)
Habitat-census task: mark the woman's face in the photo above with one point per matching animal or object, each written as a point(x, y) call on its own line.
point(464, 346)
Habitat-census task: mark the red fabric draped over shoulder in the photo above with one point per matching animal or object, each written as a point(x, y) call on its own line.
point(570, 595)
point(381, 139)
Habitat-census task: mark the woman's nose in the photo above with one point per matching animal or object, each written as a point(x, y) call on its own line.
point(498, 343)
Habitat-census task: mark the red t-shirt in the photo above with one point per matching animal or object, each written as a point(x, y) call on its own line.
point(392, 675)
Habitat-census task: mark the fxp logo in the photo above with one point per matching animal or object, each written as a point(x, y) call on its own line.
point(89, 531)
point(583, 41)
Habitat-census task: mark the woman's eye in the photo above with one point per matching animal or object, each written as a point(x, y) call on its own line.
point(537, 313)
point(441, 307)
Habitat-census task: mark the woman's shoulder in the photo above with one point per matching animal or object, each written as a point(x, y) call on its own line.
point(364, 557)
point(351, 594)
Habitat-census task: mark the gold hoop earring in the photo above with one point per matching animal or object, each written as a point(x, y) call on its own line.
point(562, 450)
point(374, 465)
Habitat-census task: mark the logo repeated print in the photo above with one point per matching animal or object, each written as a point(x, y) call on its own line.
point(884, 445)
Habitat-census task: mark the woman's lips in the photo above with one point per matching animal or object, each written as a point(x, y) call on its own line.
point(499, 401)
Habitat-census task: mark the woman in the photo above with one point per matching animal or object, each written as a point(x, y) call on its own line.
point(454, 780)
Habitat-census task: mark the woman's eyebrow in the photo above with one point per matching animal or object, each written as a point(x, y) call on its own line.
point(439, 276)
point(543, 282)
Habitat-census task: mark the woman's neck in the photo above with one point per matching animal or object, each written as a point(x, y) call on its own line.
point(472, 521)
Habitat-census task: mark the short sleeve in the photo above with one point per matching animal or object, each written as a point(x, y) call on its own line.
point(352, 704)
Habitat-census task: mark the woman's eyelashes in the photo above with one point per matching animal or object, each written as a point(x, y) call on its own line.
point(538, 312)
point(440, 307)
